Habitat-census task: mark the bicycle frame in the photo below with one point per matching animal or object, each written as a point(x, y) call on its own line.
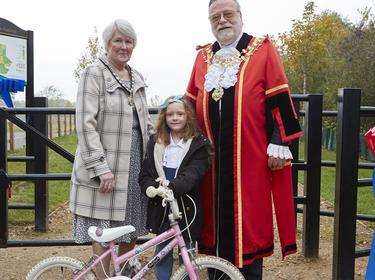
point(118, 260)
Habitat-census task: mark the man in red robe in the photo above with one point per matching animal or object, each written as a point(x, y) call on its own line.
point(243, 103)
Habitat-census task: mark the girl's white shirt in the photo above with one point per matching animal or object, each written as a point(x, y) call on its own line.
point(173, 153)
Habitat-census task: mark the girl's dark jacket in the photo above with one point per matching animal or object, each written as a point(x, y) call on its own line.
point(187, 181)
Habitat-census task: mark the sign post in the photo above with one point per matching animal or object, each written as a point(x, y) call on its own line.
point(14, 60)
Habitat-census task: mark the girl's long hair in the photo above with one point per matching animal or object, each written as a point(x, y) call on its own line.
point(191, 129)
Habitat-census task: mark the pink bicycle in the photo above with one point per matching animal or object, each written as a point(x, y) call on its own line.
point(202, 267)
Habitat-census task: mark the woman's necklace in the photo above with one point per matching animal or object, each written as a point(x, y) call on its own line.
point(127, 85)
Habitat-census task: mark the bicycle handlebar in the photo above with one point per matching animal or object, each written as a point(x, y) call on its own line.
point(152, 191)
point(167, 195)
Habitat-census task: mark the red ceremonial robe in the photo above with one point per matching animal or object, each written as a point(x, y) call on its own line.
point(239, 189)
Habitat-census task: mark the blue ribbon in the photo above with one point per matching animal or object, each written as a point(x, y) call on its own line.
point(370, 274)
point(7, 86)
point(175, 99)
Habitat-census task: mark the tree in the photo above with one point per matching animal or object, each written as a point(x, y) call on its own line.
point(296, 50)
point(93, 51)
point(310, 54)
point(50, 92)
point(358, 51)
point(54, 95)
point(155, 100)
point(324, 52)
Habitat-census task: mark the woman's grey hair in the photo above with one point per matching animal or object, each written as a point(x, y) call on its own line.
point(235, 1)
point(122, 26)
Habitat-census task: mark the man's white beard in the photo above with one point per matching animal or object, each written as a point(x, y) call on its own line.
point(226, 36)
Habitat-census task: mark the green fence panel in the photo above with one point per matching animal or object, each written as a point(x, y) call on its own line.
point(363, 150)
point(325, 137)
point(332, 140)
point(329, 143)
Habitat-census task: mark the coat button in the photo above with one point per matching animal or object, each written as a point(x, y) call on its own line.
point(188, 208)
point(101, 159)
point(140, 110)
point(109, 79)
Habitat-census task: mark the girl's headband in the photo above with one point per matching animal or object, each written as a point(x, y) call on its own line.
point(176, 99)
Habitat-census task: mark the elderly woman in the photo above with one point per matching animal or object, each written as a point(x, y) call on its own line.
point(113, 126)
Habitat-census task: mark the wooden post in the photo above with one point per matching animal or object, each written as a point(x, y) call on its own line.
point(74, 117)
point(50, 127)
point(65, 129)
point(70, 124)
point(58, 125)
point(11, 136)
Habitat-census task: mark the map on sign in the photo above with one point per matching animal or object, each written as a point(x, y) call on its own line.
point(5, 62)
point(13, 57)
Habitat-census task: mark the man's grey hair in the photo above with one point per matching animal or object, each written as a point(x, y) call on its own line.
point(122, 26)
point(235, 1)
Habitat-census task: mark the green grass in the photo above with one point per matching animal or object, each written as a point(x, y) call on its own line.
point(365, 197)
point(23, 192)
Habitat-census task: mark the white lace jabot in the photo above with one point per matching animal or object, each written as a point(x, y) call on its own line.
point(222, 73)
point(219, 73)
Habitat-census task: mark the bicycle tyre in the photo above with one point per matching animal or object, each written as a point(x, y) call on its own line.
point(222, 268)
point(50, 268)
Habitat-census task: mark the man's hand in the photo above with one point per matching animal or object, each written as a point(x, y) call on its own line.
point(107, 182)
point(276, 163)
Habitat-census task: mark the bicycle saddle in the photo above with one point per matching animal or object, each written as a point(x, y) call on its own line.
point(99, 234)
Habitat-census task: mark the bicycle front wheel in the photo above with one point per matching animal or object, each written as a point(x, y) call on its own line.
point(210, 267)
point(57, 268)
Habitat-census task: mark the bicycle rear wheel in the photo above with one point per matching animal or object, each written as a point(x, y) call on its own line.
point(210, 267)
point(57, 268)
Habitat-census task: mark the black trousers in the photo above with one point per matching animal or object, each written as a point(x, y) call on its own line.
point(253, 271)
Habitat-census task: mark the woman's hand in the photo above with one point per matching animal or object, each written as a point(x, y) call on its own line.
point(107, 182)
point(276, 163)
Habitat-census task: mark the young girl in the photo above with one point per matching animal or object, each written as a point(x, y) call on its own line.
point(179, 155)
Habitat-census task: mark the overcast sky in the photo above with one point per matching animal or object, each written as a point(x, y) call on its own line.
point(168, 31)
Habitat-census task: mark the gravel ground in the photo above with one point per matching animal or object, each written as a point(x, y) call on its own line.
point(16, 262)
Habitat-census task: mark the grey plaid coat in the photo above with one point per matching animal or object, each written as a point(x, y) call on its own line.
point(104, 128)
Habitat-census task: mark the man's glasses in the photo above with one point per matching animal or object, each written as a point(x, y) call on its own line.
point(228, 15)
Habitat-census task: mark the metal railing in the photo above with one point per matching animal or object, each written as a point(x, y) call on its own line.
point(347, 183)
point(311, 116)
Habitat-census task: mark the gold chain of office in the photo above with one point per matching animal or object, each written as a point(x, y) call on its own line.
point(226, 62)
